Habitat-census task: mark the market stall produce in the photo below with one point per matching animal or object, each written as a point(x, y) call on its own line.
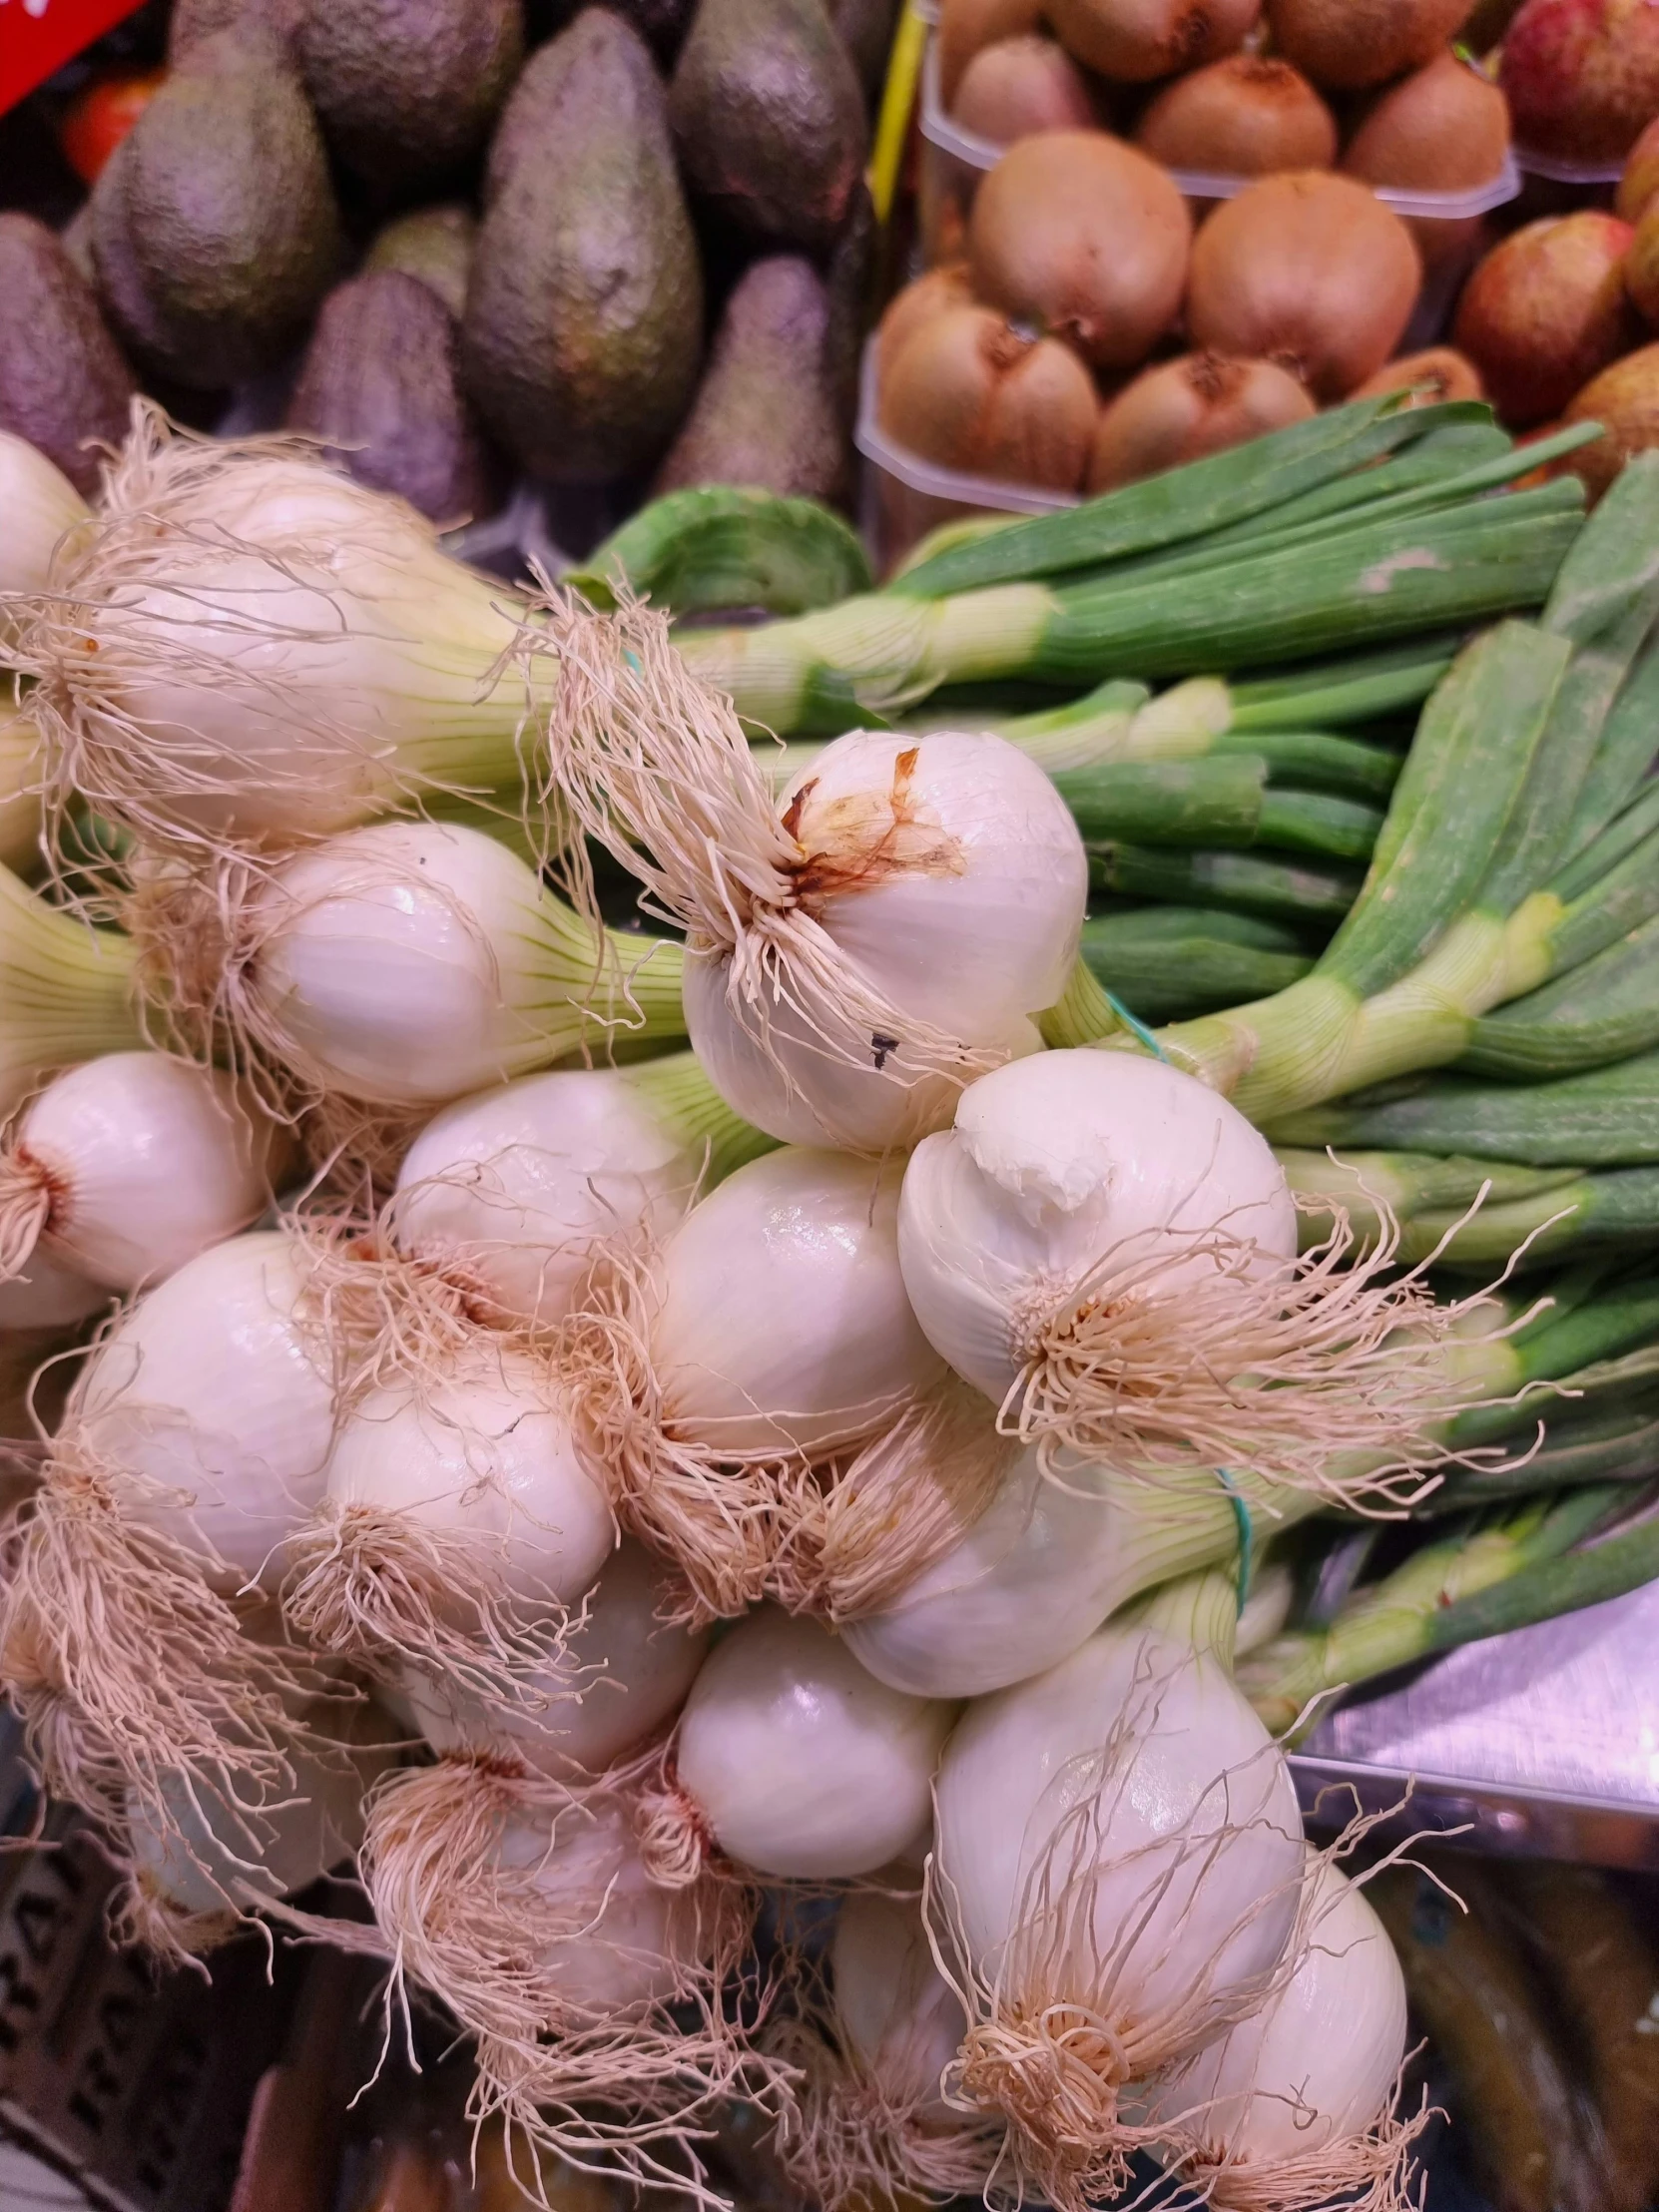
point(754, 1279)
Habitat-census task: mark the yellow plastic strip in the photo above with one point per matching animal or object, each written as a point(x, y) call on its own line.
point(898, 99)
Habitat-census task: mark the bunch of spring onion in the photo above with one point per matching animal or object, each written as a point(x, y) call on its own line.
point(980, 1386)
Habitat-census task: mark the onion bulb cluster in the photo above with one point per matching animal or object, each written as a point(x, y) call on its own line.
point(597, 1487)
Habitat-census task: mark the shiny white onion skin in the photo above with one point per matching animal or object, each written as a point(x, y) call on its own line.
point(398, 963)
point(1158, 1739)
point(782, 1323)
point(1056, 1163)
point(948, 866)
point(481, 1453)
point(520, 1183)
point(213, 1860)
point(900, 2019)
point(1033, 1577)
point(211, 1386)
point(149, 1161)
point(1318, 2063)
point(623, 1676)
point(951, 877)
point(797, 1762)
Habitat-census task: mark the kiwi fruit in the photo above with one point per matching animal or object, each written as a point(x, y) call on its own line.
point(1245, 116)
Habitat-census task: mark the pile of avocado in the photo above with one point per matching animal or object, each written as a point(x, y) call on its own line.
point(464, 240)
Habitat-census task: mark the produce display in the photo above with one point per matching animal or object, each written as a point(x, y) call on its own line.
point(751, 1280)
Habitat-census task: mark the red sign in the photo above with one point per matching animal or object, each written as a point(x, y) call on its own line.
point(39, 36)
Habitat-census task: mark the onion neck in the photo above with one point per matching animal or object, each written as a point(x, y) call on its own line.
point(689, 1108)
point(1198, 1609)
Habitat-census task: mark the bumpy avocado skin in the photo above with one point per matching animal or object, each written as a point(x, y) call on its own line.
point(192, 21)
point(63, 380)
point(434, 244)
point(583, 331)
point(213, 226)
point(381, 383)
point(767, 414)
point(769, 116)
point(407, 89)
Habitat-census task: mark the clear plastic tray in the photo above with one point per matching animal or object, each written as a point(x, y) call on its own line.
point(953, 160)
point(903, 496)
point(1589, 175)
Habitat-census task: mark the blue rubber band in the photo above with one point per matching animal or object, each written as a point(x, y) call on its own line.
point(1241, 1509)
point(1136, 1027)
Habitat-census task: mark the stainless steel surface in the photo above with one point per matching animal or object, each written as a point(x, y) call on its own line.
point(1545, 1740)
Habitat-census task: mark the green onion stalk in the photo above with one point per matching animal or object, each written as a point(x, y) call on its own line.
point(67, 991)
point(1170, 961)
point(1608, 1118)
point(1551, 1557)
point(1374, 570)
point(1474, 898)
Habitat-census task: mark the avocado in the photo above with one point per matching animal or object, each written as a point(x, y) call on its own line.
point(434, 244)
point(584, 315)
point(214, 225)
point(63, 380)
point(196, 20)
point(380, 385)
point(407, 89)
point(769, 116)
point(866, 30)
point(765, 414)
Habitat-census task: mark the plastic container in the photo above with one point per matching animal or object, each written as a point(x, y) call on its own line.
point(953, 160)
point(903, 496)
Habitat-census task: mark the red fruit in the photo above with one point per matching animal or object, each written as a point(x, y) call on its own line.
point(1545, 310)
point(1640, 182)
point(96, 120)
point(1582, 76)
point(1624, 399)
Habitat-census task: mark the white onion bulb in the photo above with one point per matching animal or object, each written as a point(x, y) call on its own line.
point(459, 1509)
point(192, 1449)
point(773, 1329)
point(515, 1189)
point(795, 1762)
point(48, 1294)
point(126, 1167)
point(1037, 1573)
point(1061, 1172)
point(1118, 1845)
point(622, 1675)
point(212, 1408)
point(889, 922)
point(203, 1858)
point(411, 962)
point(902, 2022)
point(783, 1325)
point(1293, 2104)
point(244, 643)
point(40, 504)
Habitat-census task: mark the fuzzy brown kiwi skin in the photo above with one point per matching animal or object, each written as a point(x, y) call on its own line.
point(1085, 237)
point(968, 391)
point(1309, 270)
point(1019, 85)
point(967, 24)
point(919, 302)
point(1245, 116)
point(1186, 409)
point(1138, 41)
point(1445, 128)
point(1347, 45)
point(1438, 372)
